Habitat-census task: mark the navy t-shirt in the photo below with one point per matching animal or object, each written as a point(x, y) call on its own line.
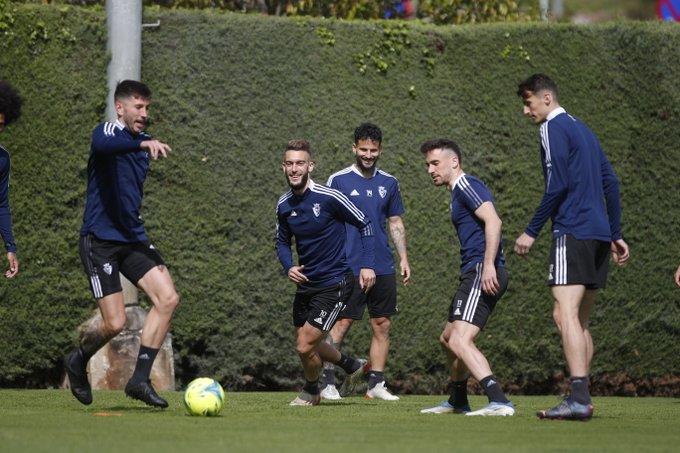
point(468, 194)
point(379, 198)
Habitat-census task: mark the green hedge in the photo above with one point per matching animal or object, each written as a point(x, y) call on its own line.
point(229, 91)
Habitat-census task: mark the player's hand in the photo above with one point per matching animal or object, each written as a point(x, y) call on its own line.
point(677, 276)
point(523, 245)
point(296, 276)
point(366, 279)
point(13, 265)
point(405, 272)
point(620, 252)
point(489, 280)
point(155, 148)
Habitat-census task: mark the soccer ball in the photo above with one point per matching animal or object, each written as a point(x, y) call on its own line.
point(204, 396)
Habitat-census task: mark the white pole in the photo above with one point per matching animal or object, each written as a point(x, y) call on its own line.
point(124, 25)
point(544, 7)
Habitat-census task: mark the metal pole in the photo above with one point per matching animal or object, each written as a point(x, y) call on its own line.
point(124, 25)
point(544, 7)
point(557, 9)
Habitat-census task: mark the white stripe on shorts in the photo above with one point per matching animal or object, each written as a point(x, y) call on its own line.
point(334, 314)
point(473, 297)
point(561, 260)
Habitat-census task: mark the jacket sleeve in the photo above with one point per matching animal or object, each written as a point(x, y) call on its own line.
point(555, 145)
point(610, 185)
point(283, 242)
point(107, 140)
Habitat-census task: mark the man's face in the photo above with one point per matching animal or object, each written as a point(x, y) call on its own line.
point(367, 153)
point(2, 122)
point(296, 166)
point(440, 164)
point(133, 112)
point(537, 106)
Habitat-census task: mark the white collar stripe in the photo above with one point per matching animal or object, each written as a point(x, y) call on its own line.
point(554, 113)
point(344, 171)
point(341, 198)
point(469, 191)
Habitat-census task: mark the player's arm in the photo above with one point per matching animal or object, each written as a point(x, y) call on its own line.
point(284, 251)
point(556, 186)
point(349, 213)
point(6, 225)
point(486, 212)
point(677, 276)
point(612, 195)
point(106, 142)
point(395, 210)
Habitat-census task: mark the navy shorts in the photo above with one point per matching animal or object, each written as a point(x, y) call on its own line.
point(381, 300)
point(578, 262)
point(470, 303)
point(320, 307)
point(103, 260)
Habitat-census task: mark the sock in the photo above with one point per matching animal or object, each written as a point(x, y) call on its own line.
point(459, 396)
point(311, 387)
point(493, 390)
point(375, 378)
point(145, 360)
point(579, 389)
point(328, 375)
point(348, 364)
point(85, 355)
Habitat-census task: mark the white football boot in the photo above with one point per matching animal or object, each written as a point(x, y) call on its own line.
point(494, 410)
point(306, 399)
point(330, 392)
point(379, 391)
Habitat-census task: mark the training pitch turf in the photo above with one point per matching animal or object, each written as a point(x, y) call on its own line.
point(52, 421)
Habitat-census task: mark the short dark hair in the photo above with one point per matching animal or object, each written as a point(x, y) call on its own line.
point(10, 102)
point(536, 83)
point(367, 131)
point(441, 143)
point(298, 144)
point(131, 88)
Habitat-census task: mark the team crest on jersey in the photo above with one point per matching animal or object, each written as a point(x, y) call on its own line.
point(317, 209)
point(382, 191)
point(107, 268)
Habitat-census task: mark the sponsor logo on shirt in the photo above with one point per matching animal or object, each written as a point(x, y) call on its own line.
point(369, 193)
point(293, 214)
point(354, 193)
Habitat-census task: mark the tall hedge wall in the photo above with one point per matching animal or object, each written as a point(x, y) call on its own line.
point(229, 91)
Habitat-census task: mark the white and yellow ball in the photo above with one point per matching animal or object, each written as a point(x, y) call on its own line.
point(204, 397)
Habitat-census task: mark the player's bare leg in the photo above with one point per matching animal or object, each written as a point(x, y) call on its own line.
point(112, 309)
point(584, 316)
point(461, 343)
point(571, 317)
point(334, 338)
point(380, 346)
point(158, 285)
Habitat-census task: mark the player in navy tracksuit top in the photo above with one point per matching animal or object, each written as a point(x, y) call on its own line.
point(483, 280)
point(10, 111)
point(377, 194)
point(582, 199)
point(113, 241)
point(315, 216)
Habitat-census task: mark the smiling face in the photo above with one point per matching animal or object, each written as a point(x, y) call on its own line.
point(133, 111)
point(367, 153)
point(296, 166)
point(442, 165)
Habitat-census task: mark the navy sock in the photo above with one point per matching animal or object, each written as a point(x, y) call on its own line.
point(580, 391)
point(311, 387)
point(375, 378)
point(348, 364)
point(328, 376)
point(145, 360)
point(459, 397)
point(493, 390)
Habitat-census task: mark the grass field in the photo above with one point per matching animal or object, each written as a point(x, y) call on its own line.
point(52, 421)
